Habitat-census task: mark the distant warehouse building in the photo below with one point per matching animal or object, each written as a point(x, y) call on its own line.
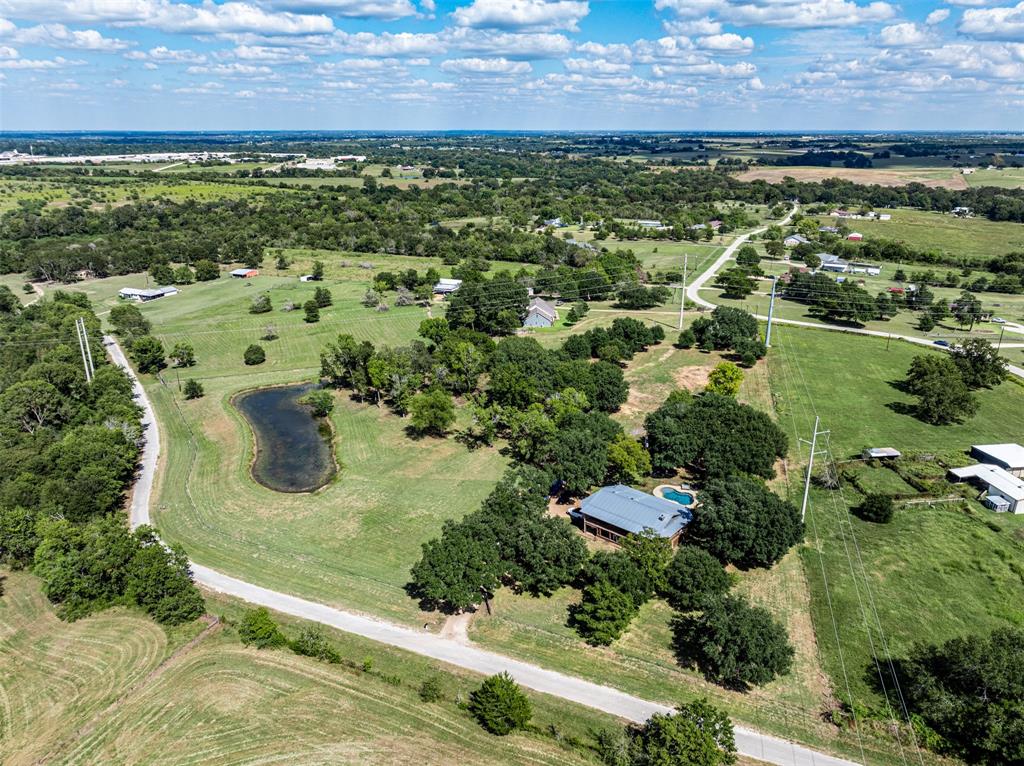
point(245, 273)
point(143, 296)
point(616, 511)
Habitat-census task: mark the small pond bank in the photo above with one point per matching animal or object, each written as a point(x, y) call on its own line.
point(293, 449)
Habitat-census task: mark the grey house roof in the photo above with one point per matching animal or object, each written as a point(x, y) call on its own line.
point(634, 511)
point(543, 308)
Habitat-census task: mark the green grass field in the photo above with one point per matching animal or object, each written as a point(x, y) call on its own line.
point(934, 572)
point(1007, 178)
point(116, 688)
point(975, 238)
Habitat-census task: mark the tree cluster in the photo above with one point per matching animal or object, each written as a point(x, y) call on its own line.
point(510, 540)
point(68, 451)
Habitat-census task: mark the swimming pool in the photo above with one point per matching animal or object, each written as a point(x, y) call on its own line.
point(683, 498)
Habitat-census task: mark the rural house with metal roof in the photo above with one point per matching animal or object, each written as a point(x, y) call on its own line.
point(615, 511)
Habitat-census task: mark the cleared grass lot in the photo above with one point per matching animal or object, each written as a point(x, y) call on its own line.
point(974, 238)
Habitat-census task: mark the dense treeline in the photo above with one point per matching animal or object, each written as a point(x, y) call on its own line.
point(68, 450)
point(382, 218)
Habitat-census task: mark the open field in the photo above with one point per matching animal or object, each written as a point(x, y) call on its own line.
point(1007, 178)
point(111, 688)
point(118, 191)
point(934, 572)
point(973, 238)
point(948, 178)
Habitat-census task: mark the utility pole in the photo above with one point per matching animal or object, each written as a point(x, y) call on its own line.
point(999, 344)
point(682, 301)
point(83, 346)
point(810, 466)
point(771, 313)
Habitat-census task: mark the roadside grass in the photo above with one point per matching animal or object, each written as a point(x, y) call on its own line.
point(974, 238)
point(935, 571)
point(94, 691)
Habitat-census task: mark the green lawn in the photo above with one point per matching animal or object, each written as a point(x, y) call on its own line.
point(934, 572)
point(976, 238)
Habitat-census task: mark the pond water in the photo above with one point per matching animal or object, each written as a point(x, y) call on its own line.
point(292, 454)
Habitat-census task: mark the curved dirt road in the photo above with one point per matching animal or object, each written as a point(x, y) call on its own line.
point(750, 743)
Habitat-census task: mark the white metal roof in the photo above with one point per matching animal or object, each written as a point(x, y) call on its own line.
point(997, 478)
point(1007, 455)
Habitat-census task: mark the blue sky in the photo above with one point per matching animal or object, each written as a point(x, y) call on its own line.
point(511, 64)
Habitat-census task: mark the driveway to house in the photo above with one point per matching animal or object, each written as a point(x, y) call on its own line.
point(750, 743)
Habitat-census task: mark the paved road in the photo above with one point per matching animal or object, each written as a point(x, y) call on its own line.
point(693, 293)
point(750, 743)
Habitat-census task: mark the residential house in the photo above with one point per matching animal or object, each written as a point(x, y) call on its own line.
point(139, 295)
point(795, 239)
point(556, 222)
point(540, 313)
point(834, 263)
point(245, 273)
point(615, 511)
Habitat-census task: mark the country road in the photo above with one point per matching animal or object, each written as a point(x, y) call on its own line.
point(750, 743)
point(693, 293)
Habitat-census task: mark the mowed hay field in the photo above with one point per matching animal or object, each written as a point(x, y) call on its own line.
point(933, 572)
point(112, 689)
point(948, 178)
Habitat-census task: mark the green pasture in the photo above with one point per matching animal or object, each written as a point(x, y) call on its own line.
point(974, 238)
point(935, 571)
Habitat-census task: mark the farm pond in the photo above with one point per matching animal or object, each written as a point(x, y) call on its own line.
point(293, 449)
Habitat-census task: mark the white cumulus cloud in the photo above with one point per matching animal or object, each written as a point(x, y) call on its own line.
point(994, 23)
point(937, 16)
point(904, 35)
point(489, 66)
point(726, 43)
point(522, 14)
point(596, 66)
point(360, 9)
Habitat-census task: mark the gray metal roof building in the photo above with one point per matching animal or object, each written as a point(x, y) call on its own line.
point(614, 511)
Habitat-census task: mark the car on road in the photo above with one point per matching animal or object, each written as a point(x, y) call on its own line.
point(943, 343)
point(999, 320)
